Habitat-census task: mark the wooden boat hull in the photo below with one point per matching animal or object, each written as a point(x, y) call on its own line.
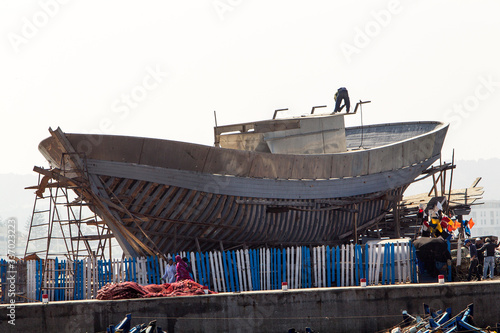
point(175, 196)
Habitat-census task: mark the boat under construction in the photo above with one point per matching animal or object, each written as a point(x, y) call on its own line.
point(305, 180)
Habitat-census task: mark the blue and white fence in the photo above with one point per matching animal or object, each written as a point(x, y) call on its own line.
point(233, 271)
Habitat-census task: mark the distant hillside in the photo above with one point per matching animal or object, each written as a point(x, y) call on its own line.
point(15, 201)
point(465, 173)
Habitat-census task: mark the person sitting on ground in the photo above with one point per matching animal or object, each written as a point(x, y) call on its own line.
point(182, 270)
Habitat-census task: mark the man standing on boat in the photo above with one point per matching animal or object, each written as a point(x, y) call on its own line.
point(342, 95)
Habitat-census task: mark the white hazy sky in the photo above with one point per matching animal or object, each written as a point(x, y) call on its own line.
point(160, 68)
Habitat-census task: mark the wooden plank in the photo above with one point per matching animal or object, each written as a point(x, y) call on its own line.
point(207, 266)
point(198, 264)
point(399, 259)
point(311, 167)
point(228, 162)
point(385, 264)
point(242, 268)
point(291, 282)
point(321, 266)
point(343, 266)
point(404, 263)
point(257, 268)
point(92, 237)
point(328, 266)
point(371, 262)
point(227, 272)
point(393, 248)
point(239, 266)
point(368, 261)
point(212, 268)
point(358, 265)
point(319, 260)
point(297, 254)
point(315, 270)
point(235, 271)
point(351, 261)
point(243, 127)
point(248, 269)
point(222, 271)
point(268, 269)
point(193, 266)
point(384, 159)
point(276, 125)
point(188, 156)
point(271, 166)
point(252, 267)
point(379, 263)
point(301, 266)
point(95, 277)
point(278, 267)
point(215, 261)
point(31, 280)
point(203, 279)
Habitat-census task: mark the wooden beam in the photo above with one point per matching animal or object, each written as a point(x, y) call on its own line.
point(397, 226)
point(274, 203)
point(92, 237)
point(197, 244)
point(475, 182)
point(451, 182)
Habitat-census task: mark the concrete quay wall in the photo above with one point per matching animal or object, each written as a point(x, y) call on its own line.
point(350, 309)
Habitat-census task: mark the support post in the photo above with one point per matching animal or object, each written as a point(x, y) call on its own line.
point(197, 245)
point(356, 213)
point(395, 210)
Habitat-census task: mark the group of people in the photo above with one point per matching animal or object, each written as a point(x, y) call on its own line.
point(481, 255)
point(179, 271)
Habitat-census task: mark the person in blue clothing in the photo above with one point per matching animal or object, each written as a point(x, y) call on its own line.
point(473, 260)
point(342, 95)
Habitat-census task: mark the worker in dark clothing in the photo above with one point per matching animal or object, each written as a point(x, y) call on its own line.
point(473, 261)
point(342, 95)
point(489, 257)
point(480, 254)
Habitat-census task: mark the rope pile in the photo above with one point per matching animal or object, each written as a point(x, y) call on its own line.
point(127, 290)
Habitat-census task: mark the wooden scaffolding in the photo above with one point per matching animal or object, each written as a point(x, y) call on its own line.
point(62, 224)
point(403, 220)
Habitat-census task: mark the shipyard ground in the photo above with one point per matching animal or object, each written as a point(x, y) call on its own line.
point(348, 309)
